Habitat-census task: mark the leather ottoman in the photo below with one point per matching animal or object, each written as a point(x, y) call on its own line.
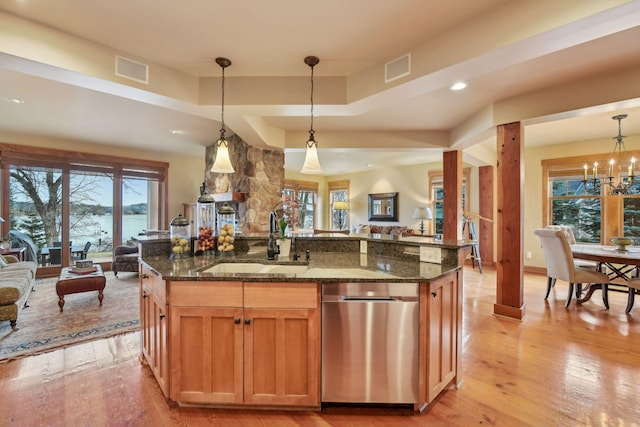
point(73, 283)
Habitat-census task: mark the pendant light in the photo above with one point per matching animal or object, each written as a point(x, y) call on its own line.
point(311, 160)
point(222, 163)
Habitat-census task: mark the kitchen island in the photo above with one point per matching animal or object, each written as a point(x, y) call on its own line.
point(244, 331)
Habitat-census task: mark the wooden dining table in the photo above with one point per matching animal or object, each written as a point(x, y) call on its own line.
point(620, 266)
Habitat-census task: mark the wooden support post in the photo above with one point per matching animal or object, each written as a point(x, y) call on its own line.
point(485, 209)
point(452, 186)
point(509, 269)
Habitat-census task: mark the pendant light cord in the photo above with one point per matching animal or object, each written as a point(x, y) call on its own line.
point(312, 100)
point(222, 115)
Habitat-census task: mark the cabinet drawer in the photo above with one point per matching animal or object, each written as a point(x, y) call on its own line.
point(206, 294)
point(280, 295)
point(154, 282)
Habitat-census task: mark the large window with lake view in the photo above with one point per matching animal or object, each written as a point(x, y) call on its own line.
point(59, 199)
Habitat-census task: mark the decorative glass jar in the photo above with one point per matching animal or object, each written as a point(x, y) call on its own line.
point(180, 237)
point(226, 230)
point(206, 219)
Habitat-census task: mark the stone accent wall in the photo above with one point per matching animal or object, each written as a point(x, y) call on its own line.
point(259, 175)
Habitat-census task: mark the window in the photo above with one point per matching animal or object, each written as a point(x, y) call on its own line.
point(67, 198)
point(303, 195)
point(437, 197)
point(339, 212)
point(588, 208)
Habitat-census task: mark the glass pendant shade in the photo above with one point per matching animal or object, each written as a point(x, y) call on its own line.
point(311, 161)
point(222, 163)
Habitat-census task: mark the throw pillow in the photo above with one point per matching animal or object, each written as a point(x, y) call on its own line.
point(3, 262)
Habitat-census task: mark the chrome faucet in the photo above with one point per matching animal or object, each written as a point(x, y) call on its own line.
point(272, 247)
point(296, 255)
point(273, 223)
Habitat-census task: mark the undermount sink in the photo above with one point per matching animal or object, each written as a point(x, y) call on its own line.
point(347, 273)
point(256, 268)
point(253, 268)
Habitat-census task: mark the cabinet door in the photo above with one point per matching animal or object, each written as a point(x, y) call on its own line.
point(146, 320)
point(441, 334)
point(154, 335)
point(281, 360)
point(206, 355)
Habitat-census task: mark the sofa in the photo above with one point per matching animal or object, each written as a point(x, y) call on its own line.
point(400, 230)
point(17, 279)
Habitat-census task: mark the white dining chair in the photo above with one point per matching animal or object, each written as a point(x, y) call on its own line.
point(561, 265)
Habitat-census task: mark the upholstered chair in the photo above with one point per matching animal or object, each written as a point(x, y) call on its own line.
point(561, 265)
point(125, 258)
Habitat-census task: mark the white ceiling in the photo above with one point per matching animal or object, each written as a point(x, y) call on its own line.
point(266, 39)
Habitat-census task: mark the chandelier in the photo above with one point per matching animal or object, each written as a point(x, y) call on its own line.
point(615, 176)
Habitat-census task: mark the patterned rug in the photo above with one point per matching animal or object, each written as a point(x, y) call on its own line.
point(43, 328)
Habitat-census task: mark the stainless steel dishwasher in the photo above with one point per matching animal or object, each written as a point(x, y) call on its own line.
point(370, 342)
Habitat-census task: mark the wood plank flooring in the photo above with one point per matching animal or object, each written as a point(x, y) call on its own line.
point(558, 367)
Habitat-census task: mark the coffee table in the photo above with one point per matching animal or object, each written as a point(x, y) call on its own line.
point(73, 283)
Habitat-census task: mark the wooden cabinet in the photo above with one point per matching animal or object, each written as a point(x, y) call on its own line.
point(245, 343)
point(439, 333)
point(282, 344)
point(153, 310)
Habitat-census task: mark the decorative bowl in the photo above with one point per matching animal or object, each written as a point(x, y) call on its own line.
point(621, 243)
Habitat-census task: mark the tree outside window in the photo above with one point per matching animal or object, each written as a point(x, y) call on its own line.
point(339, 205)
point(305, 195)
point(587, 207)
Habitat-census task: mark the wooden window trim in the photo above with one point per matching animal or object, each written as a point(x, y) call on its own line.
point(574, 166)
point(24, 155)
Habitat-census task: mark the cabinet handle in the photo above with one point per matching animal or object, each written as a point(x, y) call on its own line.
point(247, 321)
point(144, 276)
point(161, 316)
point(434, 293)
point(236, 320)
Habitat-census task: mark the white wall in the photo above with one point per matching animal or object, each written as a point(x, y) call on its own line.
point(410, 182)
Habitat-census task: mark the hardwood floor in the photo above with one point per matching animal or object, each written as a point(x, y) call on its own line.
point(559, 367)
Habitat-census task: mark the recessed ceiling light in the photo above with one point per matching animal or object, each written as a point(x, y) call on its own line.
point(176, 131)
point(458, 86)
point(16, 100)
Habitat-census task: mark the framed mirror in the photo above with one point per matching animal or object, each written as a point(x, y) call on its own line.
point(383, 207)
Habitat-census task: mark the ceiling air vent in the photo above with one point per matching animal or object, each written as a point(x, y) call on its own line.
point(397, 68)
point(133, 70)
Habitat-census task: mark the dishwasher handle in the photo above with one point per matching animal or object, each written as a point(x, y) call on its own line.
point(354, 298)
point(347, 298)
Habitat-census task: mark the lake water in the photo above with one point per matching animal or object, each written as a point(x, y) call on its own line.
point(101, 228)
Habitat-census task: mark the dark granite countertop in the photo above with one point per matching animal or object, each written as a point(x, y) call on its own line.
point(321, 267)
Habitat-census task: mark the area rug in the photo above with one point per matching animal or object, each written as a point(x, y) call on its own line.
point(42, 327)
